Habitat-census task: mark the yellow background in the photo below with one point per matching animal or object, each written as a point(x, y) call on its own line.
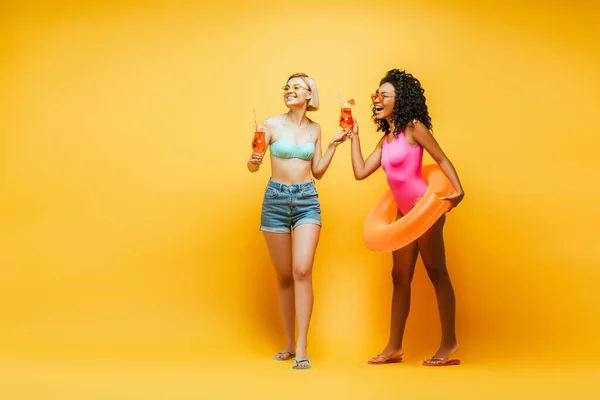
point(129, 223)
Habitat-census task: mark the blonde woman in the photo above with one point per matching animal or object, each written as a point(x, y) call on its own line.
point(291, 211)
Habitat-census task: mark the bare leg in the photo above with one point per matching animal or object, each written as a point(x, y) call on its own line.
point(280, 249)
point(431, 246)
point(402, 274)
point(305, 240)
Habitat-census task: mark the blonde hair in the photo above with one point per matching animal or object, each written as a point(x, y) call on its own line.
point(313, 102)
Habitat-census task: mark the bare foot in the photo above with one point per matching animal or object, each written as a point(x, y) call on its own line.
point(286, 354)
point(301, 363)
point(301, 360)
point(387, 356)
point(442, 357)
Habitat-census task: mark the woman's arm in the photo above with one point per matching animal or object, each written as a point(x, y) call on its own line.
point(364, 168)
point(321, 163)
point(425, 139)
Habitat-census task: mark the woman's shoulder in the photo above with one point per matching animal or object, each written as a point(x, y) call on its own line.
point(313, 124)
point(272, 123)
point(416, 126)
point(383, 138)
point(273, 120)
point(415, 131)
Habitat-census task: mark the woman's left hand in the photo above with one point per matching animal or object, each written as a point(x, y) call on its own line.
point(454, 199)
point(341, 137)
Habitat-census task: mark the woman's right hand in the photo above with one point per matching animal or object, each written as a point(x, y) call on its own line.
point(254, 162)
point(256, 159)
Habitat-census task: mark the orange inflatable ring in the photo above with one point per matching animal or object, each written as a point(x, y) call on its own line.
point(381, 231)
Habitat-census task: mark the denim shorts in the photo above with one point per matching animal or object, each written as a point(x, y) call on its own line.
point(287, 206)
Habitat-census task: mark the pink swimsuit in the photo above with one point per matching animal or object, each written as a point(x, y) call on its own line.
point(402, 164)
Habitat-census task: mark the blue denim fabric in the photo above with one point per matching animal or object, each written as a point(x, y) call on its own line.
point(287, 206)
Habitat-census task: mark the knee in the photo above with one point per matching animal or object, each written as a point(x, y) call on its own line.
point(285, 282)
point(302, 272)
point(401, 280)
point(435, 273)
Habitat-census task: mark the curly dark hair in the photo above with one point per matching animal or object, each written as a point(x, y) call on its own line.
point(410, 104)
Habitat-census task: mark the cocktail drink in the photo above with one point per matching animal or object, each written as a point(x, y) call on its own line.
point(258, 143)
point(346, 120)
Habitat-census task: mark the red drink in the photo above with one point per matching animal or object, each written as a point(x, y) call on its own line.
point(258, 143)
point(346, 120)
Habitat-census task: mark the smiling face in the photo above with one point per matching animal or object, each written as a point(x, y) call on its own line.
point(296, 92)
point(384, 100)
